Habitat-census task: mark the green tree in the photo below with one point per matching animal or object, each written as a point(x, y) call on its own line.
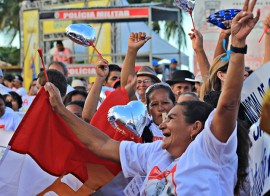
point(9, 18)
point(10, 55)
point(171, 27)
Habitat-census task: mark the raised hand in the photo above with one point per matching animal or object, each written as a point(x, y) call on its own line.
point(225, 33)
point(102, 69)
point(55, 97)
point(266, 27)
point(137, 40)
point(197, 44)
point(197, 40)
point(243, 23)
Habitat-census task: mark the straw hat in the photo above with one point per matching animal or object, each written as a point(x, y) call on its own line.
point(148, 71)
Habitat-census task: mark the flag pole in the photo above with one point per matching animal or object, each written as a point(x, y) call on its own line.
point(43, 65)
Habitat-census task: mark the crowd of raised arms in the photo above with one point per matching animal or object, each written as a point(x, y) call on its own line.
point(195, 139)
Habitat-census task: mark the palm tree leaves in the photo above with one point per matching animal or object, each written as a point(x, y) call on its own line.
point(9, 17)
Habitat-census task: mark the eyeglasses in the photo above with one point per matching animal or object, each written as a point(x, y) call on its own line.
point(145, 81)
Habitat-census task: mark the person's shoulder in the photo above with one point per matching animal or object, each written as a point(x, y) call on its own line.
point(155, 146)
point(67, 50)
point(21, 91)
point(9, 110)
point(11, 115)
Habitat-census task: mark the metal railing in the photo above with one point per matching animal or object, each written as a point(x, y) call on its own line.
point(47, 3)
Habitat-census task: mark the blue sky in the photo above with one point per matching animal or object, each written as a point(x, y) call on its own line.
point(3, 41)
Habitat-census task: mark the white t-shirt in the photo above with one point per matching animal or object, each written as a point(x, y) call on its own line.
point(10, 120)
point(207, 167)
point(21, 91)
point(116, 186)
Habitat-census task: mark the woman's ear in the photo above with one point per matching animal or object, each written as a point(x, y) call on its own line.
point(221, 75)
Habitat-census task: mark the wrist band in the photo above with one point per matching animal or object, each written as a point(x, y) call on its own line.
point(239, 50)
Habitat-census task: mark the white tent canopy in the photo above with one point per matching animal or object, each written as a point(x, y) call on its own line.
point(161, 49)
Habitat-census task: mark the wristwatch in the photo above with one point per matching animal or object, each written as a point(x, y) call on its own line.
point(239, 50)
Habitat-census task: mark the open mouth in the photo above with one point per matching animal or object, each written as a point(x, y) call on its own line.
point(167, 134)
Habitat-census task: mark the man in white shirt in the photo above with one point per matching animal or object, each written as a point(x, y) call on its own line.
point(18, 85)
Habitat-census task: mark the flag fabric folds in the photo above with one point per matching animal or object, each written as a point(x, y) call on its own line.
point(45, 136)
point(44, 148)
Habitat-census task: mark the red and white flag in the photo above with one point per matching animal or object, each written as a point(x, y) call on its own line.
point(42, 149)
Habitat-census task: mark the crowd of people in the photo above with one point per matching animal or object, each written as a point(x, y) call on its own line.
point(195, 140)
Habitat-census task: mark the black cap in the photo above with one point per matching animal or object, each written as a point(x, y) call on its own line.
point(19, 77)
point(181, 76)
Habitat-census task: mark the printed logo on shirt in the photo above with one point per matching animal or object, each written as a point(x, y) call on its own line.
point(161, 183)
point(156, 138)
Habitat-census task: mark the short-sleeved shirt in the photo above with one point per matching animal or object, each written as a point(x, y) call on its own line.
point(63, 56)
point(10, 121)
point(21, 91)
point(207, 167)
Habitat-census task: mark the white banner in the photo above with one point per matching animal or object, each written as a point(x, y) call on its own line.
point(251, 98)
point(27, 101)
point(259, 165)
point(253, 90)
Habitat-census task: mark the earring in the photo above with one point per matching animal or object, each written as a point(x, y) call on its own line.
point(191, 138)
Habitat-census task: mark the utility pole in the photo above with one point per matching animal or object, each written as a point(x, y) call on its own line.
point(115, 38)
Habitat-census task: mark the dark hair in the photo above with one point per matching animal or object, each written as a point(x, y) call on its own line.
point(68, 97)
point(59, 42)
point(212, 98)
point(157, 86)
point(78, 103)
point(7, 103)
point(55, 77)
point(196, 110)
point(83, 79)
point(243, 144)
point(113, 67)
point(19, 77)
point(16, 97)
point(9, 77)
point(147, 135)
point(80, 88)
point(3, 98)
point(61, 64)
point(193, 95)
